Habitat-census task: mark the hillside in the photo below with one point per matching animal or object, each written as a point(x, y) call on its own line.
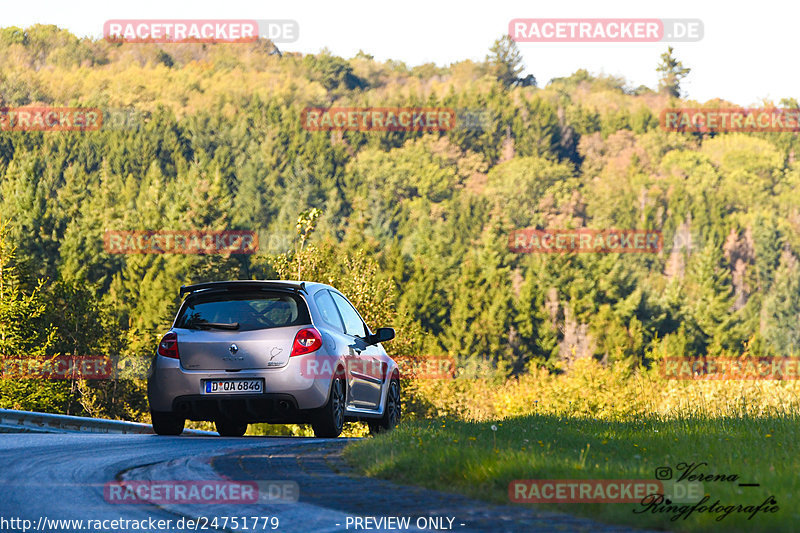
point(215, 141)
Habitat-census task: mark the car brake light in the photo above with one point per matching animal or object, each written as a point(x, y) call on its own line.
point(306, 341)
point(168, 347)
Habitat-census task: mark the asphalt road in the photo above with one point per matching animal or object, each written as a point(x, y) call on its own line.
point(303, 486)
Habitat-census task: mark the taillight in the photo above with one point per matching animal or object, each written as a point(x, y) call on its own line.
point(306, 341)
point(168, 347)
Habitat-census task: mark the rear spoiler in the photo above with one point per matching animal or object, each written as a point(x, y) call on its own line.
point(243, 283)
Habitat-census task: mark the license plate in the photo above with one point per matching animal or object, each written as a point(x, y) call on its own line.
point(234, 386)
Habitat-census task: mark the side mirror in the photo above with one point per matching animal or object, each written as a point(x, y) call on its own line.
point(382, 335)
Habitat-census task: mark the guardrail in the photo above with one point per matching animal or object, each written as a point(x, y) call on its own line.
point(29, 422)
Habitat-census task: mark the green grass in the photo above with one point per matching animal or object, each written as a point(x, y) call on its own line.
point(471, 458)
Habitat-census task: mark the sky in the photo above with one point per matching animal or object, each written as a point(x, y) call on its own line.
point(737, 59)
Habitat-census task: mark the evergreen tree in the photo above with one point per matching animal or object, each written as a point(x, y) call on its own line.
point(505, 61)
point(672, 73)
point(780, 320)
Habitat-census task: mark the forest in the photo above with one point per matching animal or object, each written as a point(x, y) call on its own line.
point(412, 225)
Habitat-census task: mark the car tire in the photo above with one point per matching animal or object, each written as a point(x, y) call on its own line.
point(230, 428)
point(167, 423)
point(391, 415)
point(328, 422)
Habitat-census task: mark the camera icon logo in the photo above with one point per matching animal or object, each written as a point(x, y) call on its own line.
point(663, 473)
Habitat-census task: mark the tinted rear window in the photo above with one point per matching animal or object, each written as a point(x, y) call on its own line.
point(250, 309)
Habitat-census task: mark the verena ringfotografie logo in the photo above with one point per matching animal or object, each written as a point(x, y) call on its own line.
point(734, 119)
point(44, 118)
point(378, 118)
point(200, 31)
point(605, 30)
point(744, 368)
point(585, 240)
point(181, 242)
point(203, 492)
point(58, 367)
point(694, 474)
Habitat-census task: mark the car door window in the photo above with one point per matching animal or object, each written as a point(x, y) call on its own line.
point(353, 325)
point(328, 310)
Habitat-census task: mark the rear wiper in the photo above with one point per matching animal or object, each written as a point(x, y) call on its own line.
point(217, 325)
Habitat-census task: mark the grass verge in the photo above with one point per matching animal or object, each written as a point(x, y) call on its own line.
point(473, 459)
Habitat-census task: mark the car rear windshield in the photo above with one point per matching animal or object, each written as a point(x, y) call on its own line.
point(243, 311)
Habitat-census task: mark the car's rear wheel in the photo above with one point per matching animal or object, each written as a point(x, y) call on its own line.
point(391, 415)
point(230, 428)
point(167, 423)
point(329, 420)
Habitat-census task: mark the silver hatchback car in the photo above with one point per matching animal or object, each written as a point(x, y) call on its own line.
point(242, 352)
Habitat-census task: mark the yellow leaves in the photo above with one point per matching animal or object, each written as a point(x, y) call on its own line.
point(603, 393)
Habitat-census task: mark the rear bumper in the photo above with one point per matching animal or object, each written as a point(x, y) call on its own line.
point(273, 408)
point(171, 387)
